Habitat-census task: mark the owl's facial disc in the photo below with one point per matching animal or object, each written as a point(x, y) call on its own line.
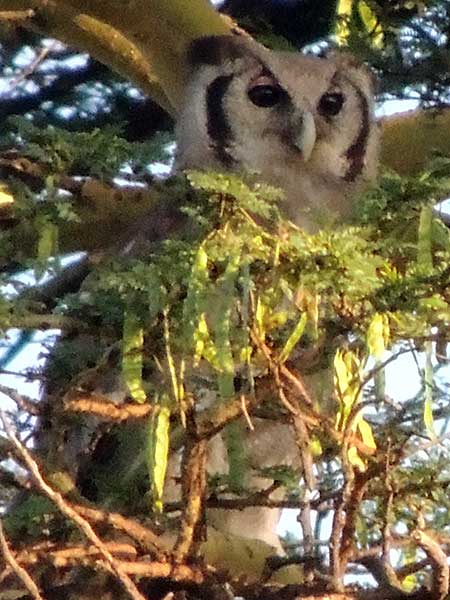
point(266, 93)
point(304, 123)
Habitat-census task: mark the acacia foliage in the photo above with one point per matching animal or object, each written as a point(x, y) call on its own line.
point(242, 305)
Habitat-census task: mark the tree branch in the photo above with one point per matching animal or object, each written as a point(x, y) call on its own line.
point(439, 564)
point(17, 568)
point(69, 512)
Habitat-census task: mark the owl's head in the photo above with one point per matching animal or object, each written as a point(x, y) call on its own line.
point(305, 123)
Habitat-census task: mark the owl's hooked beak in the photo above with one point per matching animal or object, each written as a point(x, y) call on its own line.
point(305, 139)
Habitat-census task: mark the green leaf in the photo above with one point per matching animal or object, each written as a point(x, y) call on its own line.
point(238, 460)
point(428, 418)
point(194, 304)
point(424, 243)
point(48, 239)
point(226, 297)
point(355, 459)
point(257, 198)
point(132, 355)
point(170, 360)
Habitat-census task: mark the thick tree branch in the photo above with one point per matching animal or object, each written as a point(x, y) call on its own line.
point(129, 44)
point(103, 42)
point(439, 563)
point(192, 528)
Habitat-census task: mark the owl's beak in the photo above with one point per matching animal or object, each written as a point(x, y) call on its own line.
point(306, 137)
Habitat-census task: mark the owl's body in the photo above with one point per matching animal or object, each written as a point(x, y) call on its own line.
point(302, 123)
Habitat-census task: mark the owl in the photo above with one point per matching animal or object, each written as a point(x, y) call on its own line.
point(302, 123)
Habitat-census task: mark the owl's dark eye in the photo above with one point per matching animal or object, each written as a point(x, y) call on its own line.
point(265, 95)
point(331, 104)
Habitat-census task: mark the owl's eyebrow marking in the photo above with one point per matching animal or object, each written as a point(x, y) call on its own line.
point(219, 129)
point(356, 152)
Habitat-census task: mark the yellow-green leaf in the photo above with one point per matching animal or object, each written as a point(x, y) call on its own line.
point(371, 24)
point(203, 346)
point(365, 430)
point(158, 451)
point(343, 14)
point(378, 335)
point(294, 338)
point(377, 338)
point(425, 265)
point(315, 447)
point(409, 557)
point(409, 583)
point(312, 308)
point(347, 384)
point(132, 355)
point(260, 313)
point(6, 198)
point(355, 459)
point(428, 418)
point(360, 13)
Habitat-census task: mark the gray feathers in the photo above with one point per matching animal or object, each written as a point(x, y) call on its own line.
point(305, 124)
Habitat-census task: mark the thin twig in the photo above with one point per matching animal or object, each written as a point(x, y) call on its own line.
point(30, 69)
point(388, 512)
point(245, 413)
point(23, 402)
point(73, 556)
point(21, 573)
point(258, 499)
point(305, 517)
point(16, 15)
point(101, 406)
point(67, 510)
point(148, 540)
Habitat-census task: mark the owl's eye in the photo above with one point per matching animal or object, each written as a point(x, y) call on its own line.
point(331, 104)
point(265, 95)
